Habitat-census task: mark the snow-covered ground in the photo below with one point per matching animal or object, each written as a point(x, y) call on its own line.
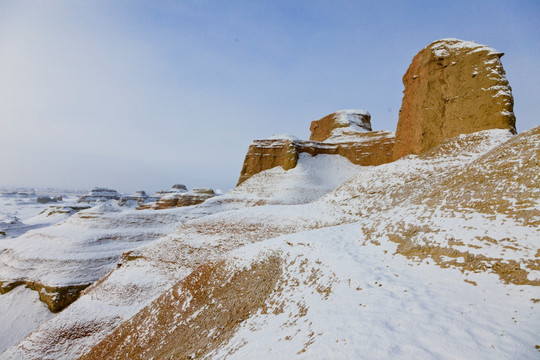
point(420, 258)
point(20, 211)
point(21, 311)
point(378, 305)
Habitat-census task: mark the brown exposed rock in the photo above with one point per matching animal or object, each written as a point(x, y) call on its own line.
point(452, 87)
point(323, 128)
point(266, 154)
point(99, 195)
point(197, 315)
point(180, 198)
point(56, 297)
point(362, 148)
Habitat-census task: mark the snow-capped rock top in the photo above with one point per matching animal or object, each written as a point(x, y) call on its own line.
point(100, 194)
point(344, 120)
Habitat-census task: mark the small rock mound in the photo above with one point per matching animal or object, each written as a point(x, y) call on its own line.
point(452, 87)
point(48, 199)
point(99, 195)
point(178, 196)
point(138, 198)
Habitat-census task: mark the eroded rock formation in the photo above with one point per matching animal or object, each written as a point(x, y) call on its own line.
point(346, 133)
point(179, 196)
point(99, 195)
point(138, 198)
point(452, 87)
point(334, 124)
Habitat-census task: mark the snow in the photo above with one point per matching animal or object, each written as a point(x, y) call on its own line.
point(20, 211)
point(346, 289)
point(380, 307)
point(282, 137)
point(456, 44)
point(356, 119)
point(20, 313)
point(312, 178)
point(85, 246)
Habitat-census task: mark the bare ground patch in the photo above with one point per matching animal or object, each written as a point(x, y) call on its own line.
point(194, 317)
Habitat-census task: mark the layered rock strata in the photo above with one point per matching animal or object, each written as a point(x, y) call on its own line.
point(346, 133)
point(99, 195)
point(139, 197)
point(180, 198)
point(335, 123)
point(452, 87)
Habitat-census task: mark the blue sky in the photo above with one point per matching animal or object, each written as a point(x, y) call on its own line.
point(144, 94)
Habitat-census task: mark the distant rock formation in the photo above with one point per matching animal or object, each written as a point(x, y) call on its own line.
point(346, 133)
point(178, 196)
point(452, 87)
point(8, 222)
point(138, 198)
point(63, 209)
point(100, 194)
point(180, 187)
point(48, 199)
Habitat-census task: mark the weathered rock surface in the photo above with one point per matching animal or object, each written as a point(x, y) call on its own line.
point(469, 203)
point(138, 198)
point(452, 87)
point(180, 187)
point(64, 209)
point(99, 195)
point(355, 120)
point(392, 209)
point(346, 133)
point(178, 196)
point(48, 199)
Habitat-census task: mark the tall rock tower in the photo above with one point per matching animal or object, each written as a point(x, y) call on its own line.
point(452, 87)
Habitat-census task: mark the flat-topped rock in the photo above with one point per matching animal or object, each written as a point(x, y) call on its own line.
point(99, 195)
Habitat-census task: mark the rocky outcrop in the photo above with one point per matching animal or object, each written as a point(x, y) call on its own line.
point(178, 196)
point(346, 133)
point(138, 198)
point(268, 153)
point(179, 187)
point(452, 87)
point(333, 124)
point(63, 209)
point(48, 199)
point(99, 195)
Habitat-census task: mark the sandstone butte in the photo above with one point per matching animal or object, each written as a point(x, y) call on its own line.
point(346, 133)
point(452, 87)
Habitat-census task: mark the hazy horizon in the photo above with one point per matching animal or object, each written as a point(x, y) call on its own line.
point(142, 95)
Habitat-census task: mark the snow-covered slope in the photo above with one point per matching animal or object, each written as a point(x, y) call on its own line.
point(312, 178)
point(21, 311)
point(393, 263)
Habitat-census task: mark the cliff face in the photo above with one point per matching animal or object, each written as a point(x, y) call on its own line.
point(452, 87)
point(268, 153)
point(346, 133)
